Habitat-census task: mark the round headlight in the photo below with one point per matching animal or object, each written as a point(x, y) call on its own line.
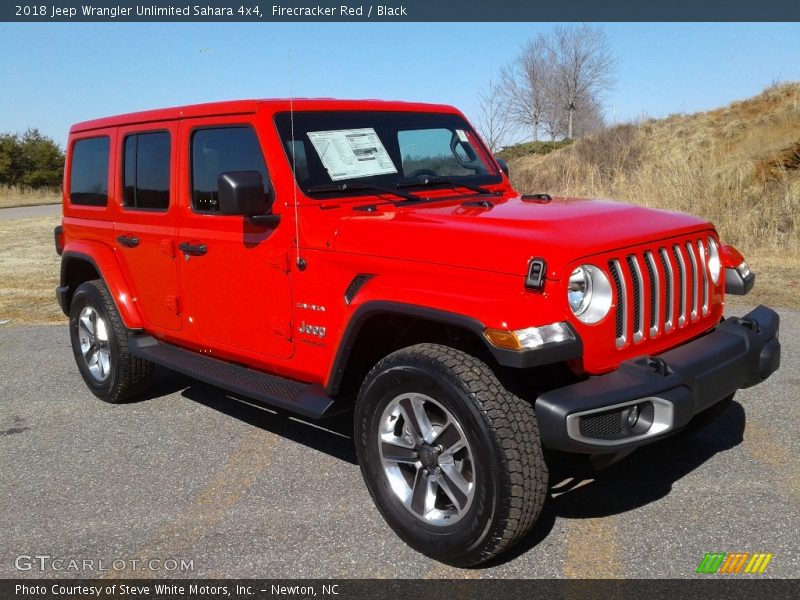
point(589, 294)
point(579, 292)
point(714, 264)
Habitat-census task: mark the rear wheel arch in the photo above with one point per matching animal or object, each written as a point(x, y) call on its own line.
point(79, 267)
point(75, 270)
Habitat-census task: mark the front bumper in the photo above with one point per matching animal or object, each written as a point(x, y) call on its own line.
point(668, 390)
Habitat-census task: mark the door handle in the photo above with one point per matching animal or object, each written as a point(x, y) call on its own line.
point(129, 241)
point(193, 249)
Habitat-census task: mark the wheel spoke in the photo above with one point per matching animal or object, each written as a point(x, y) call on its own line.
point(416, 418)
point(422, 492)
point(450, 439)
point(452, 483)
point(104, 362)
point(102, 330)
point(393, 450)
point(91, 356)
point(86, 323)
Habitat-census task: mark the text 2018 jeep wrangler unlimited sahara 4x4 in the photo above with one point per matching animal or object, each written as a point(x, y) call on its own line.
point(312, 253)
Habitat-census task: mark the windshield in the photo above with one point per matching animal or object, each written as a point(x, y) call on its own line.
point(383, 148)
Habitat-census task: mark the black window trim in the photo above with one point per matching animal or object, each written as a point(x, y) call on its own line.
point(68, 190)
point(125, 137)
point(190, 174)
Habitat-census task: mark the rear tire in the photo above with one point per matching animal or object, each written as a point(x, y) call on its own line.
point(100, 345)
point(452, 459)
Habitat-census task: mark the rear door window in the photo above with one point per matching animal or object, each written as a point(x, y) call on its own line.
point(145, 177)
point(88, 178)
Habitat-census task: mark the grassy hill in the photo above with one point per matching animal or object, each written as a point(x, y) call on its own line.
point(738, 166)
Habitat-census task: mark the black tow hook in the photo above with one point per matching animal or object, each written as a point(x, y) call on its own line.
point(750, 324)
point(659, 365)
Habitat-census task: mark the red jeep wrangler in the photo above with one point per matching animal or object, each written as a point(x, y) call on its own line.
point(320, 254)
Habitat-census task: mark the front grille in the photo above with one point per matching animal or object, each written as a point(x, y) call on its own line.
point(660, 290)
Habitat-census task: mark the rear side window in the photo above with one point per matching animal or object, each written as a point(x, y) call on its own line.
point(88, 178)
point(145, 177)
point(220, 150)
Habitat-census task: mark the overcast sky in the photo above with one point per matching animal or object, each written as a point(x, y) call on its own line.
point(56, 74)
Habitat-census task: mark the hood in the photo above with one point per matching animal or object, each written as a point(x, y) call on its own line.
point(505, 237)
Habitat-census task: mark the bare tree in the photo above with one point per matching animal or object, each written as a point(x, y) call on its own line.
point(588, 117)
point(492, 118)
point(525, 84)
point(584, 67)
point(555, 117)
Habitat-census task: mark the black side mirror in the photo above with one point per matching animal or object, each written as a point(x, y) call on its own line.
point(242, 193)
point(503, 165)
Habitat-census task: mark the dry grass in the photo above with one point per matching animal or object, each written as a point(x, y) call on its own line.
point(738, 166)
point(15, 195)
point(29, 271)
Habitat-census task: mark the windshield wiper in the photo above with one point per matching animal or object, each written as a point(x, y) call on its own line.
point(357, 186)
point(440, 179)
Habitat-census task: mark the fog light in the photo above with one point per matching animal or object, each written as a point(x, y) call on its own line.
point(633, 416)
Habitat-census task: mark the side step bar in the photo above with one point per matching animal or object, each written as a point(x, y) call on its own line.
point(304, 399)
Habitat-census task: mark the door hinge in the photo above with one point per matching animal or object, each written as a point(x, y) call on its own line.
point(281, 262)
point(282, 327)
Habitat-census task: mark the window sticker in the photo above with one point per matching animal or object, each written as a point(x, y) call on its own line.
point(461, 135)
point(351, 153)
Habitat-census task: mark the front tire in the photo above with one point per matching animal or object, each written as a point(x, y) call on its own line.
point(100, 345)
point(452, 459)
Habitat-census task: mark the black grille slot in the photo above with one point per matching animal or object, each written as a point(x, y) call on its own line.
point(681, 282)
point(620, 316)
point(355, 286)
point(668, 304)
point(604, 426)
point(637, 293)
point(651, 278)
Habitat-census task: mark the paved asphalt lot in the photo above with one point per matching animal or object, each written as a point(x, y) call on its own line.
point(192, 473)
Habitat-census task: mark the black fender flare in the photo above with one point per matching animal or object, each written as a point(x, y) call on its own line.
point(548, 354)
